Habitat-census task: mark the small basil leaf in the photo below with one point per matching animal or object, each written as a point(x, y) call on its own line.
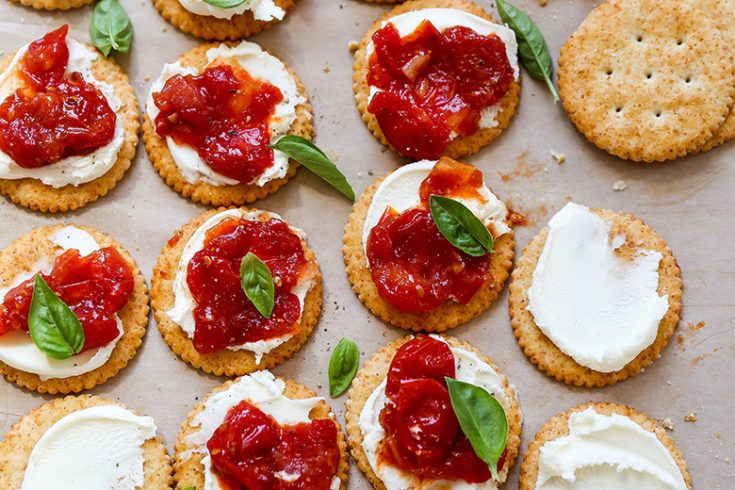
point(343, 366)
point(54, 328)
point(257, 283)
point(191, 488)
point(460, 227)
point(110, 27)
point(532, 49)
point(225, 4)
point(310, 156)
point(482, 420)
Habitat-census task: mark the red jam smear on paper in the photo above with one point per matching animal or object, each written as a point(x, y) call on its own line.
point(223, 315)
point(413, 266)
point(434, 84)
point(224, 115)
point(422, 434)
point(54, 115)
point(250, 448)
point(94, 286)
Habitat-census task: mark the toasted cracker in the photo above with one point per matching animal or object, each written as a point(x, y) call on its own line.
point(54, 4)
point(546, 355)
point(16, 448)
point(188, 469)
point(225, 362)
point(647, 80)
point(34, 194)
point(214, 29)
point(450, 314)
point(221, 195)
point(461, 146)
point(21, 256)
point(373, 373)
point(558, 426)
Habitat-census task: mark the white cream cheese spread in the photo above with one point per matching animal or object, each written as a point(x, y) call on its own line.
point(73, 170)
point(182, 312)
point(265, 10)
point(607, 453)
point(444, 18)
point(596, 306)
point(260, 65)
point(470, 369)
point(17, 349)
point(91, 449)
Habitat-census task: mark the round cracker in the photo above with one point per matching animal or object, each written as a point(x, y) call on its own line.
point(461, 146)
point(213, 29)
point(647, 80)
point(375, 371)
point(54, 4)
point(21, 256)
point(188, 468)
point(558, 426)
point(450, 314)
point(34, 194)
point(221, 195)
point(224, 362)
point(16, 448)
point(546, 355)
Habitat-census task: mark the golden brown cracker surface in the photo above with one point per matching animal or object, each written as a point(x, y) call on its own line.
point(220, 195)
point(545, 354)
point(16, 448)
point(33, 194)
point(647, 80)
point(21, 256)
point(459, 147)
point(558, 426)
point(448, 315)
point(225, 362)
point(54, 4)
point(188, 469)
point(375, 370)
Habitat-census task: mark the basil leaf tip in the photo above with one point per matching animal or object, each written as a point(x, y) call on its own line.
point(110, 27)
point(225, 4)
point(257, 284)
point(343, 366)
point(460, 227)
point(54, 328)
point(310, 156)
point(191, 488)
point(532, 48)
point(482, 419)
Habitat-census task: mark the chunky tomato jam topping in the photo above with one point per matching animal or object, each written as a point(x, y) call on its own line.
point(223, 315)
point(223, 114)
point(434, 85)
point(54, 114)
point(251, 450)
point(413, 266)
point(422, 434)
point(95, 287)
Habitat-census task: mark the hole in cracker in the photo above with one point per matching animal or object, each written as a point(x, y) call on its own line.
point(679, 42)
point(618, 109)
point(609, 71)
point(649, 75)
point(658, 113)
point(688, 79)
point(639, 38)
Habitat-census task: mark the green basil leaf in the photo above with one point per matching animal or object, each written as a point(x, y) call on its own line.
point(110, 27)
point(225, 4)
point(460, 227)
point(310, 156)
point(257, 283)
point(532, 49)
point(54, 328)
point(191, 488)
point(343, 366)
point(482, 420)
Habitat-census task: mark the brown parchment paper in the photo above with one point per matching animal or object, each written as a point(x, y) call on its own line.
point(689, 202)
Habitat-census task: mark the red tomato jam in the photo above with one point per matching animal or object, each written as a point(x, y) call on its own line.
point(250, 449)
point(54, 115)
point(95, 287)
point(223, 315)
point(413, 266)
point(223, 114)
point(434, 84)
point(422, 434)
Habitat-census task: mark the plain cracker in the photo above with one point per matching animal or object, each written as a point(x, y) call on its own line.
point(54, 4)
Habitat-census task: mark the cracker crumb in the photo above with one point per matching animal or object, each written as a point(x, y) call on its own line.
point(668, 424)
point(353, 46)
point(690, 417)
point(558, 157)
point(326, 69)
point(619, 186)
point(164, 29)
point(542, 3)
point(147, 78)
point(568, 197)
